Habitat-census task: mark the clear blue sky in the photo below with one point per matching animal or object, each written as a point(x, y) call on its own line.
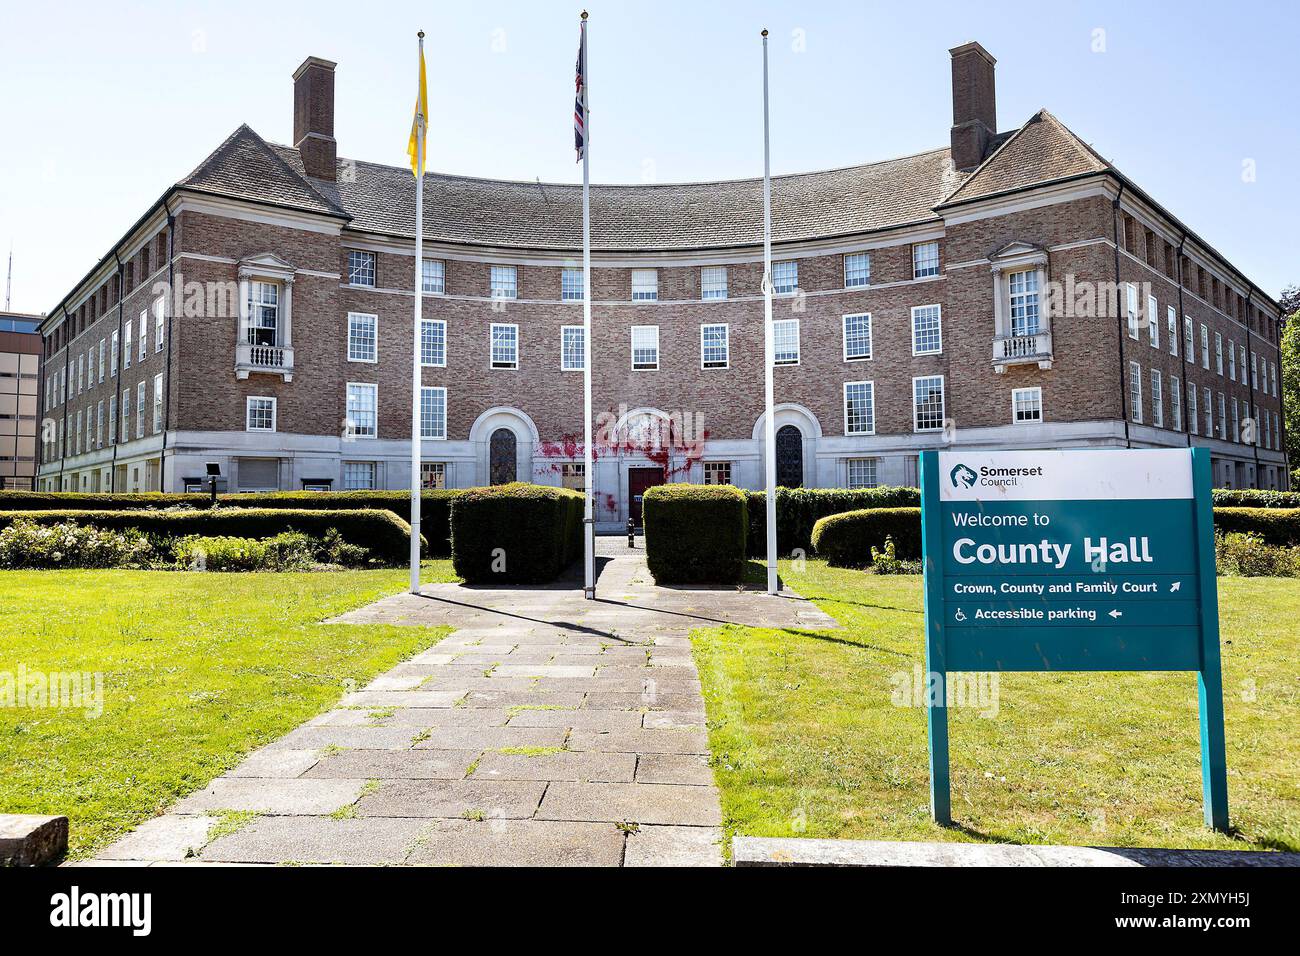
point(105, 104)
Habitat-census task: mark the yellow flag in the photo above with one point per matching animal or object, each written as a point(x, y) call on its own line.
point(417, 145)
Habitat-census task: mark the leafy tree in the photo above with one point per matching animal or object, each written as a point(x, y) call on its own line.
point(1291, 375)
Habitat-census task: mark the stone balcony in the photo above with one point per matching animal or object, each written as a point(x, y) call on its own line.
point(1034, 349)
point(269, 359)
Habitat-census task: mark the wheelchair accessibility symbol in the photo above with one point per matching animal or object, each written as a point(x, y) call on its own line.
point(960, 615)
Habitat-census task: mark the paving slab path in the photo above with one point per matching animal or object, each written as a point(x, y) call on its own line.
point(544, 730)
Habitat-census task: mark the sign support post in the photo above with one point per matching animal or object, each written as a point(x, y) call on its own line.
point(936, 712)
point(1209, 679)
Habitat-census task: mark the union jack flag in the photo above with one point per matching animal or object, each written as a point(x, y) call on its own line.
point(579, 110)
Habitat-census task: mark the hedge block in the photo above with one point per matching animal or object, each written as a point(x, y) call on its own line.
point(695, 534)
point(386, 536)
point(1280, 526)
point(798, 509)
point(845, 540)
point(516, 533)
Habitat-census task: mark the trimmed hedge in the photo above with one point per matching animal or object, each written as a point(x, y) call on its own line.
point(845, 540)
point(386, 536)
point(1255, 498)
point(435, 505)
point(798, 509)
point(1279, 526)
point(537, 527)
point(695, 534)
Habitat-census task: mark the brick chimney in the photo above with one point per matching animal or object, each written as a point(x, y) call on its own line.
point(313, 117)
point(974, 104)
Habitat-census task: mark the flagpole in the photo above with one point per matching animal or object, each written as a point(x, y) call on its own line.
point(769, 431)
point(422, 111)
point(588, 465)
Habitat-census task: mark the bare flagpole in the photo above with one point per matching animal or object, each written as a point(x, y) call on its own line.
point(588, 470)
point(769, 431)
point(420, 123)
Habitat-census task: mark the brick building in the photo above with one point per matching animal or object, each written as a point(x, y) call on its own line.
point(1012, 289)
point(20, 362)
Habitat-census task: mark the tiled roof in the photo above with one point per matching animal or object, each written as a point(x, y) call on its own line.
point(1041, 151)
point(625, 218)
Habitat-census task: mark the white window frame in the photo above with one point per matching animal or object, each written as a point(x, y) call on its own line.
point(777, 325)
point(503, 282)
point(1028, 301)
point(863, 462)
point(159, 323)
point(139, 409)
point(356, 326)
point(921, 268)
point(1131, 308)
point(713, 283)
point(715, 467)
point(1223, 417)
point(645, 285)
point(263, 315)
point(503, 364)
point(371, 468)
point(157, 403)
point(438, 468)
point(938, 329)
point(361, 388)
point(363, 264)
point(571, 284)
point(1232, 360)
point(1135, 402)
point(433, 277)
point(99, 422)
point(1171, 328)
point(844, 334)
point(1153, 318)
point(857, 270)
point(1205, 346)
point(124, 425)
point(576, 331)
point(431, 433)
point(785, 277)
point(1157, 398)
point(1193, 415)
point(871, 393)
point(103, 355)
point(144, 333)
point(632, 341)
point(1035, 391)
point(433, 325)
point(943, 403)
point(114, 345)
point(1236, 419)
point(1207, 412)
point(1218, 353)
point(1176, 401)
point(248, 412)
point(726, 346)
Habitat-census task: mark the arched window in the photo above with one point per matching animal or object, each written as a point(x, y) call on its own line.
point(789, 457)
point(502, 457)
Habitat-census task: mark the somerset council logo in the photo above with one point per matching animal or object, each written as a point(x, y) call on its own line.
point(963, 476)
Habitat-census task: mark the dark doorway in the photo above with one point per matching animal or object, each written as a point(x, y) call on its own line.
point(789, 457)
point(502, 457)
point(638, 480)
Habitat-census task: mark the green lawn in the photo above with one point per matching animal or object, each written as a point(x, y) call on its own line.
point(198, 669)
point(806, 741)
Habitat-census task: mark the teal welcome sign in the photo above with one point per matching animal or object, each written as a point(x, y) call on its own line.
point(1071, 561)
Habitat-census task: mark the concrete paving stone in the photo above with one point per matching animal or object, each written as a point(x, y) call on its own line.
point(622, 672)
point(605, 700)
point(494, 799)
point(664, 641)
point(395, 765)
point(641, 741)
point(103, 861)
point(347, 717)
point(454, 648)
point(470, 682)
point(542, 670)
point(529, 698)
point(621, 685)
point(392, 681)
point(519, 843)
point(491, 738)
point(425, 717)
point(566, 765)
point(358, 738)
point(672, 719)
point(443, 697)
point(274, 761)
point(687, 769)
point(584, 719)
point(674, 846)
point(359, 842)
point(169, 837)
point(633, 802)
point(280, 797)
point(483, 662)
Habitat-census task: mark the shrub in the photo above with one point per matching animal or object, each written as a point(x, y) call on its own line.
point(848, 540)
point(384, 535)
point(66, 544)
point(515, 533)
point(1276, 526)
point(887, 561)
point(695, 534)
point(798, 509)
point(287, 551)
point(1255, 498)
point(1247, 555)
point(435, 505)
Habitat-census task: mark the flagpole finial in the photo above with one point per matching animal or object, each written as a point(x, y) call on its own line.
point(765, 34)
point(584, 14)
point(420, 34)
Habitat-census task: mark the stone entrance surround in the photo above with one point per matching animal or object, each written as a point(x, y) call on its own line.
point(545, 730)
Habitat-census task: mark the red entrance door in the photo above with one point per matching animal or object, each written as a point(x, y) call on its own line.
point(638, 480)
